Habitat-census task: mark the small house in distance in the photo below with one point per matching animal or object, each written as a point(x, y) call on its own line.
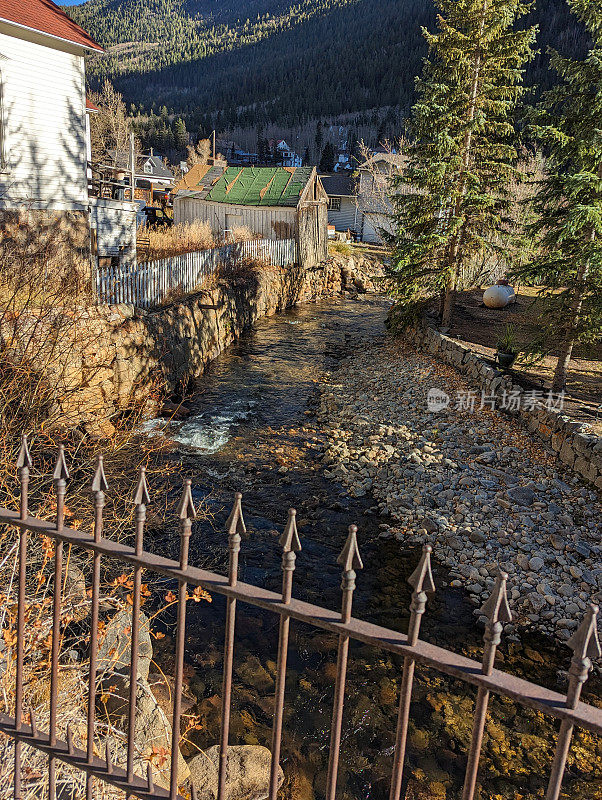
point(272, 202)
point(342, 201)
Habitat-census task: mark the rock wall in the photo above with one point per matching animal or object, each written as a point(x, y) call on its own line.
point(569, 439)
point(104, 360)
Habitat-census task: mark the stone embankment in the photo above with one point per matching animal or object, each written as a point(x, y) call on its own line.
point(476, 484)
point(575, 447)
point(104, 360)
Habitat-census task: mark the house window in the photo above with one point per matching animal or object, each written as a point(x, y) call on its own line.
point(148, 169)
point(334, 204)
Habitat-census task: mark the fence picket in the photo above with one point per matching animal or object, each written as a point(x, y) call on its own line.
point(148, 284)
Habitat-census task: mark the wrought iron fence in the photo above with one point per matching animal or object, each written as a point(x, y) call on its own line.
point(569, 709)
point(150, 283)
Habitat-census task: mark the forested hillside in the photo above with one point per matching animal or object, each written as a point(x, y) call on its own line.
point(256, 61)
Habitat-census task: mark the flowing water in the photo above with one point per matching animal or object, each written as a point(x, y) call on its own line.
point(253, 429)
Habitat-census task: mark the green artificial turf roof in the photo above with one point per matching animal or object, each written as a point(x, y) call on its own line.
point(260, 186)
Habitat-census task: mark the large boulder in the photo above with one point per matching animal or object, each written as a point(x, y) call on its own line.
point(114, 659)
point(248, 774)
point(114, 654)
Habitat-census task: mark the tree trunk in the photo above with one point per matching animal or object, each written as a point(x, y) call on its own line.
point(454, 247)
point(568, 341)
point(562, 365)
point(449, 303)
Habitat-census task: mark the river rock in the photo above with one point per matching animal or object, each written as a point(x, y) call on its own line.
point(521, 495)
point(248, 773)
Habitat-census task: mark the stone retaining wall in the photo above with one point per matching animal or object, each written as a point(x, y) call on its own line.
point(569, 439)
point(103, 360)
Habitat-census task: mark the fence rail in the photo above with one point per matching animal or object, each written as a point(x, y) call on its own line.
point(149, 284)
point(568, 709)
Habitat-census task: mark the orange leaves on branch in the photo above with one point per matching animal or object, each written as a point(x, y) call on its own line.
point(200, 594)
point(170, 597)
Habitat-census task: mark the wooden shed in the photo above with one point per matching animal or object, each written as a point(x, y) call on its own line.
point(273, 202)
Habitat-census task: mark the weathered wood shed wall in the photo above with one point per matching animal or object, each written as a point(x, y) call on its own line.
point(312, 223)
point(267, 221)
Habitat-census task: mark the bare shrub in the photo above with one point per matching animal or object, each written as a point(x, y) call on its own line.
point(43, 313)
point(245, 271)
point(241, 233)
point(165, 242)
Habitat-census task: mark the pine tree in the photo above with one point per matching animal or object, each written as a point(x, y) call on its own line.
point(180, 134)
point(319, 138)
point(568, 264)
point(328, 158)
point(451, 200)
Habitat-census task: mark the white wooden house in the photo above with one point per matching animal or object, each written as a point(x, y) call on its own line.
point(44, 135)
point(374, 205)
point(284, 155)
point(342, 201)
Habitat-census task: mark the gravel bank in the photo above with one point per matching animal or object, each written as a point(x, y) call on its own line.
point(473, 484)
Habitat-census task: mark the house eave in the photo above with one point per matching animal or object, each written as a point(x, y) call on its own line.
point(44, 34)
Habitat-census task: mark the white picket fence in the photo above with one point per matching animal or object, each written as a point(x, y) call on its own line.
point(149, 284)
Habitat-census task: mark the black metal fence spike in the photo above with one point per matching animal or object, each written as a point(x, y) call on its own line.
point(350, 558)
point(150, 786)
point(186, 509)
point(585, 643)
point(61, 473)
point(141, 495)
point(289, 541)
point(421, 580)
point(99, 482)
point(496, 608)
point(24, 459)
point(70, 747)
point(235, 523)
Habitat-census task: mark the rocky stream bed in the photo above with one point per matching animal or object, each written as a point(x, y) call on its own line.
point(316, 409)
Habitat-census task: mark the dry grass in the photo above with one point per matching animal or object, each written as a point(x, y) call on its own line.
point(341, 248)
point(186, 238)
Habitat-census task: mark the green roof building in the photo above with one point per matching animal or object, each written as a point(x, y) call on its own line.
point(272, 202)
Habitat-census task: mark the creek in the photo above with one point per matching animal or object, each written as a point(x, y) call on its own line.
point(253, 429)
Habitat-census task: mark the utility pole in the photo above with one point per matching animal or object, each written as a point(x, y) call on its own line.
point(132, 167)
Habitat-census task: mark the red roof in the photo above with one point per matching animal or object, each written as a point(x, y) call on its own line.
point(90, 106)
point(46, 17)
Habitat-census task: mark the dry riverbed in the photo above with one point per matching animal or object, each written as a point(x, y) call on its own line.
point(474, 484)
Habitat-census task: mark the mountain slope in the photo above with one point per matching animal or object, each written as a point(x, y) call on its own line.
point(272, 60)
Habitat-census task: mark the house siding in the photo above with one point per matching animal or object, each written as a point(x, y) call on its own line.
point(43, 122)
point(345, 219)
